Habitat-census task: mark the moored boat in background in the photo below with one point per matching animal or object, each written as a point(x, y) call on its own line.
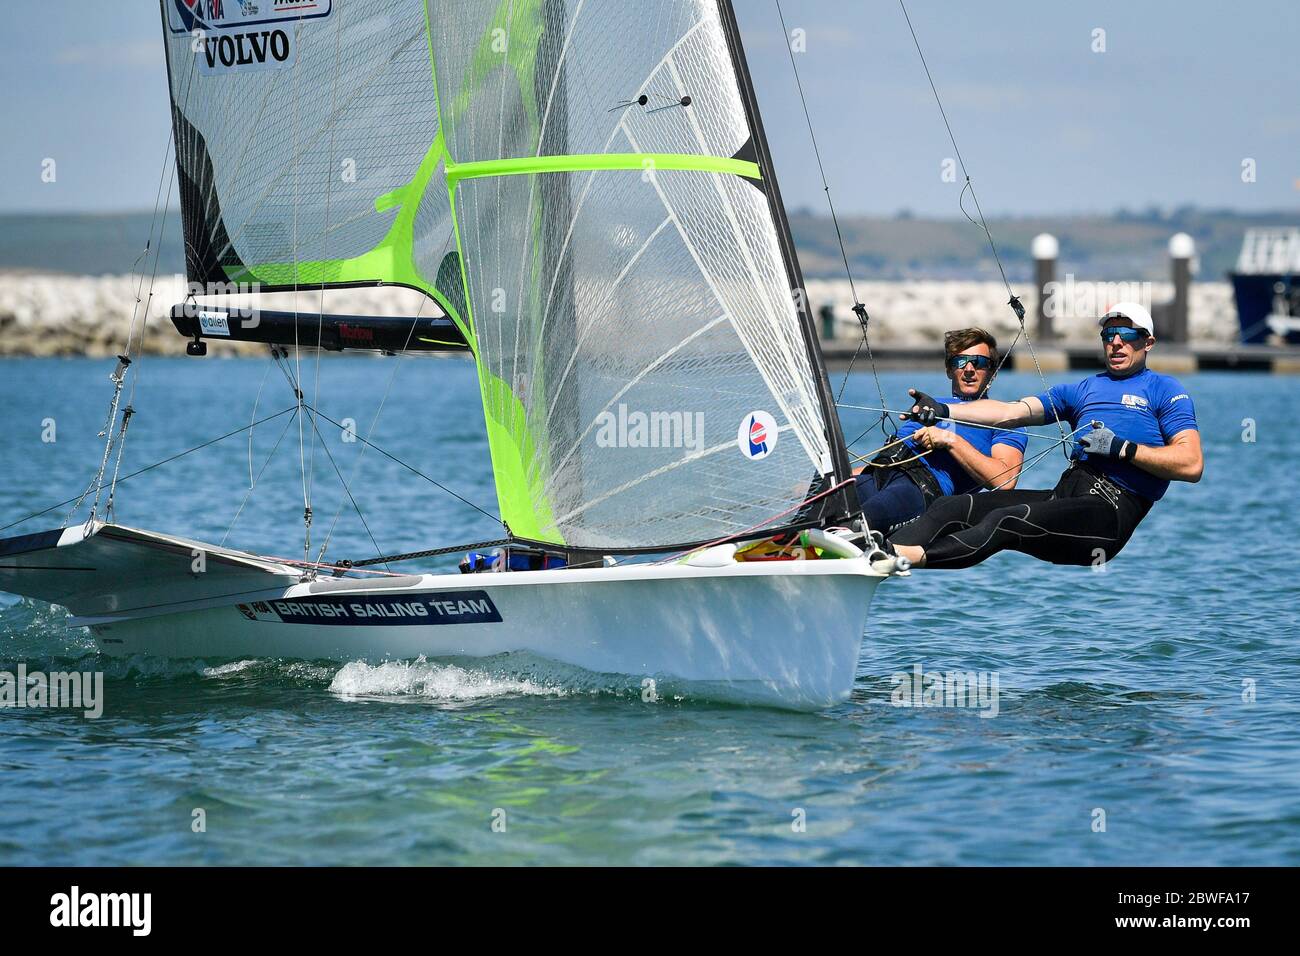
point(1266, 285)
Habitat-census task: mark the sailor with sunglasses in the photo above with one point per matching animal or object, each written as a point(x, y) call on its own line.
point(1136, 432)
point(924, 463)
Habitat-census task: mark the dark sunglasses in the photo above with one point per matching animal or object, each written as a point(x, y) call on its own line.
point(1125, 334)
point(961, 361)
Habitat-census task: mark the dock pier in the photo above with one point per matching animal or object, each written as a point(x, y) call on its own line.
point(1173, 354)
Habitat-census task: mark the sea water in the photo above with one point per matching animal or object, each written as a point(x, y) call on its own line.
point(1147, 713)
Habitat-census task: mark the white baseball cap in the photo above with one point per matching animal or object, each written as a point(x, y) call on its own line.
point(1134, 312)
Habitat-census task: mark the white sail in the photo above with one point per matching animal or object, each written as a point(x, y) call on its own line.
point(580, 185)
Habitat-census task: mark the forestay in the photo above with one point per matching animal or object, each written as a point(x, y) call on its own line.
point(582, 186)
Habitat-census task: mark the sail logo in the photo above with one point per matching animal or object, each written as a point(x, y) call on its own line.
point(186, 16)
point(214, 323)
point(637, 429)
point(757, 435)
point(240, 36)
point(245, 52)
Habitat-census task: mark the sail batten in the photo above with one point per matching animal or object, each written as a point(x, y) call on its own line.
point(602, 161)
point(583, 187)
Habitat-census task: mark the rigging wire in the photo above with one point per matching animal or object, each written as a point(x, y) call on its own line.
point(296, 409)
point(1013, 300)
point(859, 309)
point(346, 490)
point(297, 351)
point(257, 399)
point(163, 196)
point(1017, 469)
point(280, 356)
point(374, 422)
point(97, 483)
point(410, 468)
point(1064, 441)
point(325, 237)
point(758, 528)
point(867, 461)
point(429, 553)
point(148, 246)
point(156, 464)
point(940, 418)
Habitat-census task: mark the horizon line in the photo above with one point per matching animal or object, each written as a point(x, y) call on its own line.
point(904, 214)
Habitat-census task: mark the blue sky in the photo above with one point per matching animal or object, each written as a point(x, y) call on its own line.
point(1184, 92)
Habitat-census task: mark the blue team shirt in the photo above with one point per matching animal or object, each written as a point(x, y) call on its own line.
point(953, 478)
point(1147, 408)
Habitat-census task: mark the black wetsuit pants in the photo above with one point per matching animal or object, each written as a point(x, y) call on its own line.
point(1084, 520)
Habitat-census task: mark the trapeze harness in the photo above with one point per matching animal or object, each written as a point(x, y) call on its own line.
point(901, 487)
point(1086, 519)
point(903, 459)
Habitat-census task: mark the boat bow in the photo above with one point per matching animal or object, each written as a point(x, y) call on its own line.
point(101, 569)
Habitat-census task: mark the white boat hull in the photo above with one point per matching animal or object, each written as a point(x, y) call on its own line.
point(788, 639)
point(786, 633)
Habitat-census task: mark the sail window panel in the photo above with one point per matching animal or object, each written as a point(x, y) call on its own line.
point(633, 326)
point(556, 77)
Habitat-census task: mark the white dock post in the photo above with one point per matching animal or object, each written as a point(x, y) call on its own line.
point(1182, 248)
point(1045, 250)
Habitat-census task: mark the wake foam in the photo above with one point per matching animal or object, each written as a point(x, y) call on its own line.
point(423, 679)
point(31, 628)
point(308, 672)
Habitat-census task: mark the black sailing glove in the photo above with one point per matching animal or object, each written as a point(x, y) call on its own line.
point(925, 409)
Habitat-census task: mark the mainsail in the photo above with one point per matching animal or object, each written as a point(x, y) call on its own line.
point(582, 186)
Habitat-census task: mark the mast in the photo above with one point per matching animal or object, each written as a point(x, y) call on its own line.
point(846, 499)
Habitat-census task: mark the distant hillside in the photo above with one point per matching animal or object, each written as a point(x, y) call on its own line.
point(86, 244)
point(1124, 246)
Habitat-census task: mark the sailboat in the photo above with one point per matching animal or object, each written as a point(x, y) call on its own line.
point(582, 191)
